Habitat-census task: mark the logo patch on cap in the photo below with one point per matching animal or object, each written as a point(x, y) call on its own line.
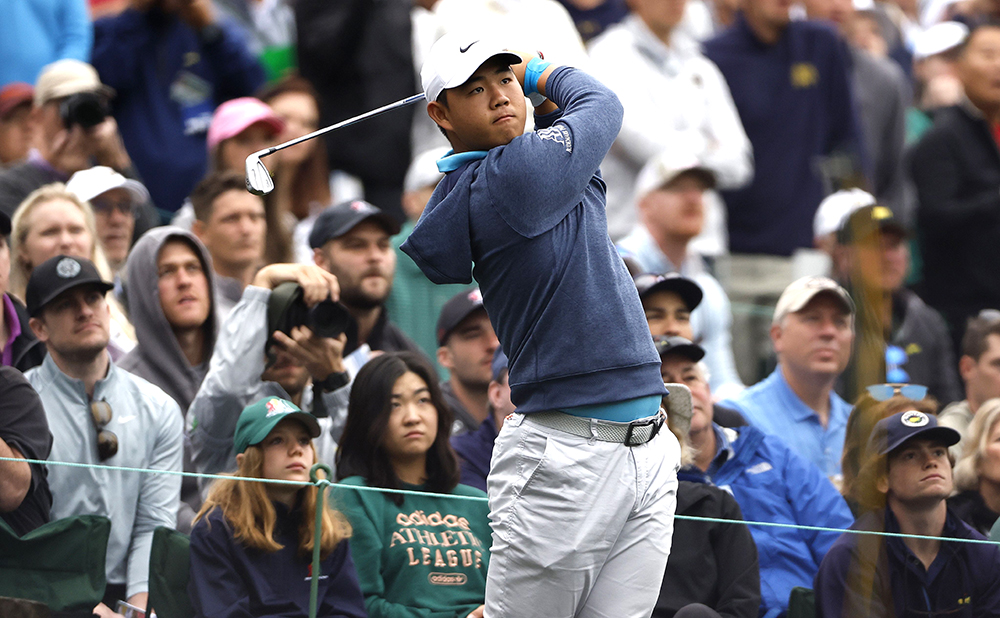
point(360, 206)
point(881, 212)
point(67, 268)
point(278, 406)
point(476, 296)
point(914, 419)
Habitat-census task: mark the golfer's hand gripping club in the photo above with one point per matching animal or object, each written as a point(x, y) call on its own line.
point(259, 180)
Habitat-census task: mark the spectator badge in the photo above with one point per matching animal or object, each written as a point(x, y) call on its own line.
point(914, 419)
point(67, 268)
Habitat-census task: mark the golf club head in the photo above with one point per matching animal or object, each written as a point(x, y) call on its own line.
point(258, 179)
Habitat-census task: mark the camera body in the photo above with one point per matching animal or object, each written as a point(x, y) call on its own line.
point(87, 109)
point(286, 309)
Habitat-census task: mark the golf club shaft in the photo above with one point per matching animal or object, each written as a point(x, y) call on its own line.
point(344, 123)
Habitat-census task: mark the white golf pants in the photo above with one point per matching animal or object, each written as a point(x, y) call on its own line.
point(581, 527)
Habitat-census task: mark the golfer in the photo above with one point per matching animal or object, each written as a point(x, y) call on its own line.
point(582, 484)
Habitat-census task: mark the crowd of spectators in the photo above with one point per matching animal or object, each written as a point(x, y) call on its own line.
point(806, 195)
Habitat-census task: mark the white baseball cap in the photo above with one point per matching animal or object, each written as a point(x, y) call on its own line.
point(938, 39)
point(799, 292)
point(836, 208)
point(67, 77)
point(455, 57)
point(88, 184)
point(667, 166)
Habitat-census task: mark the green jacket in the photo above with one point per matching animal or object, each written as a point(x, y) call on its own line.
point(426, 558)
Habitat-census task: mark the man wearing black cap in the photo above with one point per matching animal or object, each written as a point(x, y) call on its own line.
point(872, 259)
point(102, 416)
point(907, 478)
point(669, 302)
point(769, 481)
point(351, 240)
point(18, 345)
point(467, 345)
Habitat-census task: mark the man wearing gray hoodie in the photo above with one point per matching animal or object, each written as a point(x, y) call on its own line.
point(170, 301)
point(171, 304)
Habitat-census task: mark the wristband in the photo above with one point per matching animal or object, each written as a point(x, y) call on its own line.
point(532, 71)
point(536, 99)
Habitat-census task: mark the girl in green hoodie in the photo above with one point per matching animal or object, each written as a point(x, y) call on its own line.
point(417, 556)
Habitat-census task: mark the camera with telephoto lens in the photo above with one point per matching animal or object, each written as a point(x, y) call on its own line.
point(287, 309)
point(87, 109)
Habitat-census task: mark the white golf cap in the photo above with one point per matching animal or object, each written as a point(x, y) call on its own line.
point(799, 292)
point(938, 39)
point(836, 208)
point(667, 166)
point(423, 171)
point(455, 57)
point(88, 184)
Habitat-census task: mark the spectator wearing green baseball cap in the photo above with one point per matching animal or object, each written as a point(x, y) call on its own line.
point(252, 542)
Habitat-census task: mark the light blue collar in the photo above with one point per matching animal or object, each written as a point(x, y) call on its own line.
point(452, 161)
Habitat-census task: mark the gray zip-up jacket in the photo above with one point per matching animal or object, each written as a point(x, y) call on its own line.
point(234, 382)
point(150, 436)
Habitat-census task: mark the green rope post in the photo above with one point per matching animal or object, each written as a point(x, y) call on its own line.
point(321, 485)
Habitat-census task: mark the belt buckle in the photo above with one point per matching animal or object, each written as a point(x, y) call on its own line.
point(656, 422)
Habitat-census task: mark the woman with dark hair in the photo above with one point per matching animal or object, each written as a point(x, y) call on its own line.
point(303, 187)
point(415, 555)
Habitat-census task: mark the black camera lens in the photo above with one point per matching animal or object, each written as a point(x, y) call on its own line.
point(328, 319)
point(87, 109)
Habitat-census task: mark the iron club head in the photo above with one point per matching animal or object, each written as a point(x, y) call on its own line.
point(258, 179)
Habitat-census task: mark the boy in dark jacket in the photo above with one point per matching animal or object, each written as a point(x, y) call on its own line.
point(590, 533)
point(909, 471)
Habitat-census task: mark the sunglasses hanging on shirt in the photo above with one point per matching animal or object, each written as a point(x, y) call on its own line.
point(107, 441)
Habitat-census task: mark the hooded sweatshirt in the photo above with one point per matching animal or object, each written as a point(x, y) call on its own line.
point(158, 356)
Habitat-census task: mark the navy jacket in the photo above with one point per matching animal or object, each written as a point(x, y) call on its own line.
point(794, 99)
point(168, 83)
point(228, 580)
point(531, 215)
point(475, 450)
point(864, 575)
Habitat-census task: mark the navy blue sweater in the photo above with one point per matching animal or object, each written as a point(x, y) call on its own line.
point(228, 580)
point(168, 84)
point(864, 575)
point(794, 99)
point(531, 215)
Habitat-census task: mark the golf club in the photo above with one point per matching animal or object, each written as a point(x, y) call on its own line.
point(259, 180)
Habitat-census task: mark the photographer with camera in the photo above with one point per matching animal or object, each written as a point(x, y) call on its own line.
point(72, 130)
point(267, 348)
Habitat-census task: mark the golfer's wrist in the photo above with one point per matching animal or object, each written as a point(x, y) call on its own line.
point(532, 72)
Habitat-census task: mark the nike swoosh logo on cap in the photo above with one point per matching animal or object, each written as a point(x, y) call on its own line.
point(466, 48)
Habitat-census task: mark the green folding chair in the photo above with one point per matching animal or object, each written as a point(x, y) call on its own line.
point(169, 571)
point(60, 564)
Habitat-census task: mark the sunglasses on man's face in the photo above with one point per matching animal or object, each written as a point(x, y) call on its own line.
point(107, 441)
point(882, 392)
